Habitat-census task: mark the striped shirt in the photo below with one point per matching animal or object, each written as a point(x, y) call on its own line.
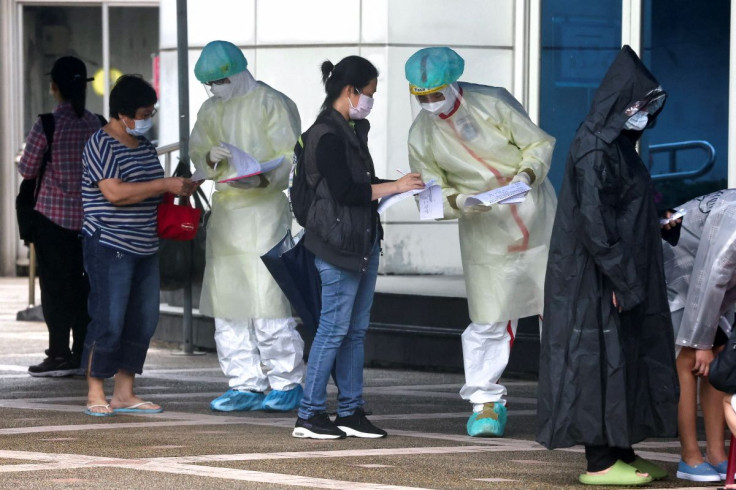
point(60, 198)
point(131, 227)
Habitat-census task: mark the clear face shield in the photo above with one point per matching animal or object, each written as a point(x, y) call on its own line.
point(435, 102)
point(643, 113)
point(232, 86)
point(449, 101)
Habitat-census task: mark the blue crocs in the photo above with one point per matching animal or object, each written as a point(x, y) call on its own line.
point(238, 401)
point(721, 468)
point(702, 472)
point(490, 422)
point(283, 400)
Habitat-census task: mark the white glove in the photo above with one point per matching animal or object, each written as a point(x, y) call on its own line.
point(246, 183)
point(522, 177)
point(472, 208)
point(218, 153)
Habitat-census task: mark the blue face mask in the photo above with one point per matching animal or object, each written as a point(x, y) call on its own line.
point(142, 126)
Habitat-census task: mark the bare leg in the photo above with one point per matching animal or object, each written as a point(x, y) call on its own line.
point(687, 408)
point(122, 395)
point(711, 401)
point(96, 395)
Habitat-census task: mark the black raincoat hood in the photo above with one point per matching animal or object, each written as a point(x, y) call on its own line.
point(627, 87)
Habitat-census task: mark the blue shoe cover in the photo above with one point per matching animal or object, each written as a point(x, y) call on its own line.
point(490, 422)
point(283, 401)
point(237, 401)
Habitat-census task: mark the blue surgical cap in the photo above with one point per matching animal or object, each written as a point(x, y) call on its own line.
point(430, 69)
point(219, 59)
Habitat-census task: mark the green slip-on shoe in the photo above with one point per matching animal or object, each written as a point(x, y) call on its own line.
point(645, 466)
point(620, 474)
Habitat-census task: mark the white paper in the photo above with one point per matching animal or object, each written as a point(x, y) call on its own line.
point(430, 203)
point(247, 166)
point(508, 194)
point(678, 214)
point(392, 199)
point(199, 175)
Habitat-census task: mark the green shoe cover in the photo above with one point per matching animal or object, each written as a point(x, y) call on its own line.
point(619, 474)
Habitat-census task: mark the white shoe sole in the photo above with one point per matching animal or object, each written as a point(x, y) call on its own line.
point(302, 433)
point(354, 433)
point(58, 374)
point(700, 478)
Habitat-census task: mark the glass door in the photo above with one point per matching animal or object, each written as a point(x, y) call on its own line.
point(50, 33)
point(579, 41)
point(686, 47)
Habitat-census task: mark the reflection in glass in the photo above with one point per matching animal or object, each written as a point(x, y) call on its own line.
point(48, 34)
point(580, 39)
point(687, 48)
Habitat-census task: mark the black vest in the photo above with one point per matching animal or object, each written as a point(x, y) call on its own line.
point(338, 234)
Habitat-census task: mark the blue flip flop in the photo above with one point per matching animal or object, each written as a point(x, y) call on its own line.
point(88, 411)
point(137, 408)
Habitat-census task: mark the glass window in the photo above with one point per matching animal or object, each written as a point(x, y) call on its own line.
point(50, 33)
point(580, 39)
point(134, 47)
point(687, 48)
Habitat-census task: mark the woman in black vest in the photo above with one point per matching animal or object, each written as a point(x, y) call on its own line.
point(343, 231)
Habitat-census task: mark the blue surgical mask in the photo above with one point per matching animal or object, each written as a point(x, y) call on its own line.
point(142, 126)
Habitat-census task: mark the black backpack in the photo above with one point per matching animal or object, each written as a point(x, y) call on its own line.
point(301, 192)
point(25, 201)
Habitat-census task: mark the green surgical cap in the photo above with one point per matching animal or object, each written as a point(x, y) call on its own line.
point(431, 68)
point(219, 59)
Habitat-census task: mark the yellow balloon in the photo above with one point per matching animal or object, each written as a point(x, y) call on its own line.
point(98, 84)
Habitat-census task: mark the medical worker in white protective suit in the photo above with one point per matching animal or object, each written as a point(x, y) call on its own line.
point(257, 343)
point(471, 139)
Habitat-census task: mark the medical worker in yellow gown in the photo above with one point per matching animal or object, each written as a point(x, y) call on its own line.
point(257, 344)
point(473, 138)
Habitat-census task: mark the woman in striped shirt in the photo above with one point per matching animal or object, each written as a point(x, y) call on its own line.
point(121, 184)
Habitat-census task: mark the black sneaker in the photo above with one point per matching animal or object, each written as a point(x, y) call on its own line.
point(55, 367)
point(357, 425)
point(318, 426)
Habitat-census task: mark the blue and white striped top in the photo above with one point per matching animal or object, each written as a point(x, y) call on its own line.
point(132, 227)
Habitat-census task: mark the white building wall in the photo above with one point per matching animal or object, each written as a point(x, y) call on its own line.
point(285, 41)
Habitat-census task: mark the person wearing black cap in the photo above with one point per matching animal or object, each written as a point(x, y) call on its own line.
point(58, 219)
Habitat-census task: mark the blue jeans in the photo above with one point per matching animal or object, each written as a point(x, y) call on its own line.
point(347, 297)
point(124, 307)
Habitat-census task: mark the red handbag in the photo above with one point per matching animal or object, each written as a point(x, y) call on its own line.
point(177, 222)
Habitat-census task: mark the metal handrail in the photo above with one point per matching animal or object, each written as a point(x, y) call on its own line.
point(673, 148)
point(167, 150)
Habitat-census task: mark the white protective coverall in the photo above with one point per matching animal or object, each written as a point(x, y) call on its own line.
point(254, 328)
point(701, 270)
point(481, 146)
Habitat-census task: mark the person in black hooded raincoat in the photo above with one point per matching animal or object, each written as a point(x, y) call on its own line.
point(607, 375)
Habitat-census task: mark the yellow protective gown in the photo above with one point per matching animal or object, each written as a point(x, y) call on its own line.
point(246, 223)
point(479, 147)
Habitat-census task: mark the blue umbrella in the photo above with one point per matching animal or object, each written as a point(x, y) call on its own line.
point(292, 267)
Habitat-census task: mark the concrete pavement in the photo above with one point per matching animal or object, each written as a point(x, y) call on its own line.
point(47, 442)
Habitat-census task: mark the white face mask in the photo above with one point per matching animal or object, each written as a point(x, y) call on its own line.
point(142, 126)
point(638, 121)
point(365, 104)
point(438, 107)
point(224, 91)
point(442, 106)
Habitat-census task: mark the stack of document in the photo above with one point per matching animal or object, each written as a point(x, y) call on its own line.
point(392, 199)
point(243, 166)
point(514, 193)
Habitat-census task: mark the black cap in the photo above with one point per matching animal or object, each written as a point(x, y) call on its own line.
point(69, 70)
